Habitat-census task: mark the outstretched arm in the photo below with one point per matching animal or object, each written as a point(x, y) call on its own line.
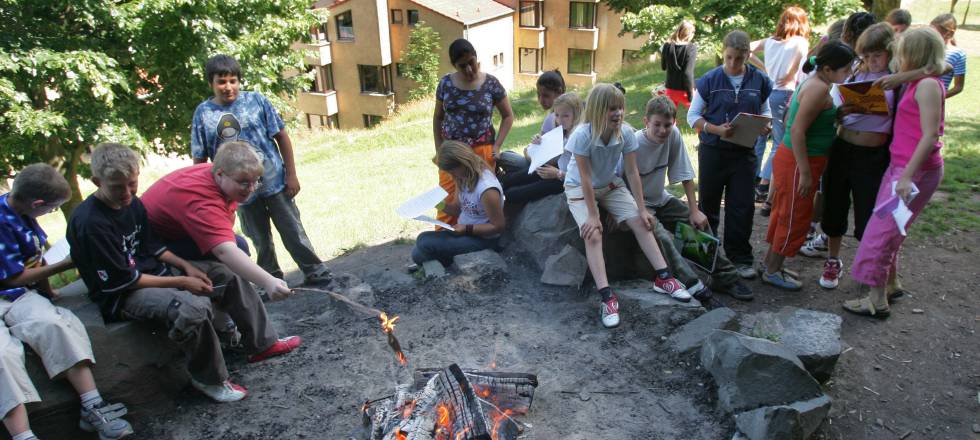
point(239, 263)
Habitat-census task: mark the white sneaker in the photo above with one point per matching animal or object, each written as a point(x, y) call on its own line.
point(815, 247)
point(223, 392)
point(832, 269)
point(609, 312)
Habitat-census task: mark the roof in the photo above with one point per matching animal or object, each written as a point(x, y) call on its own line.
point(466, 11)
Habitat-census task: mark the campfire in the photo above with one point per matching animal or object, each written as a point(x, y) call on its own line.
point(452, 404)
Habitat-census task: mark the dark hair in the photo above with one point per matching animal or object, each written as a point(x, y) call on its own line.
point(834, 54)
point(620, 87)
point(899, 16)
point(552, 81)
point(855, 25)
point(39, 181)
point(220, 65)
point(460, 48)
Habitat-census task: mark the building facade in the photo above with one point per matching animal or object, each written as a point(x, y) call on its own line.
point(356, 54)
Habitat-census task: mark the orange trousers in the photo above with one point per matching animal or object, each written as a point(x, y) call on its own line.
point(791, 213)
point(446, 181)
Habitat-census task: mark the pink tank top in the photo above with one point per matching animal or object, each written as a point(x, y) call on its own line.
point(908, 130)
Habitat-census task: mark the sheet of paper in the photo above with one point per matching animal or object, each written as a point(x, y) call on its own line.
point(551, 146)
point(895, 207)
point(59, 251)
point(419, 206)
point(748, 128)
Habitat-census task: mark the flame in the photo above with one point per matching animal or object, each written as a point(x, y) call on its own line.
point(481, 391)
point(443, 412)
point(498, 418)
point(399, 435)
point(462, 434)
point(387, 325)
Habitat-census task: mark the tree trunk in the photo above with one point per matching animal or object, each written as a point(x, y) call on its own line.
point(952, 6)
point(71, 175)
point(966, 12)
point(880, 8)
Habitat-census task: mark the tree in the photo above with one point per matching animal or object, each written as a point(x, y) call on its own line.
point(421, 59)
point(715, 18)
point(76, 73)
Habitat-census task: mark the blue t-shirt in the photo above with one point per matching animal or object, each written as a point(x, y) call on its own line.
point(259, 122)
point(21, 246)
point(956, 58)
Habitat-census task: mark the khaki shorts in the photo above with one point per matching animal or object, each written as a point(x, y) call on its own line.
point(54, 333)
point(614, 198)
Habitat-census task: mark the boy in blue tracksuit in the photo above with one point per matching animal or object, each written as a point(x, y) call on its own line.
point(724, 167)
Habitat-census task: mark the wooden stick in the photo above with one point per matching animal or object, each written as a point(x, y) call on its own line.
point(370, 311)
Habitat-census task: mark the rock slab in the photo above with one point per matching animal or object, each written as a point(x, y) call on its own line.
point(566, 268)
point(544, 227)
point(433, 269)
point(664, 309)
point(752, 372)
point(796, 421)
point(690, 336)
point(813, 336)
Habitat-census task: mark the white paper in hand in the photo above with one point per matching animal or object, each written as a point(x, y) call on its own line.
point(551, 146)
point(902, 213)
point(59, 251)
point(417, 207)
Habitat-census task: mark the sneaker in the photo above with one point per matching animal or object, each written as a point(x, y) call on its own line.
point(766, 210)
point(319, 276)
point(670, 286)
point(831, 273)
point(223, 392)
point(609, 312)
point(745, 271)
point(782, 280)
point(106, 419)
point(738, 291)
point(281, 347)
point(815, 247)
point(761, 193)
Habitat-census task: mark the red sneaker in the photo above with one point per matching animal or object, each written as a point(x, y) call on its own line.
point(670, 286)
point(281, 347)
point(609, 312)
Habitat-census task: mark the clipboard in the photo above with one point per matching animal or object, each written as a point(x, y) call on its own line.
point(748, 128)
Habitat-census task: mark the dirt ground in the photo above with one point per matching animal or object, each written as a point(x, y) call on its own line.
point(913, 376)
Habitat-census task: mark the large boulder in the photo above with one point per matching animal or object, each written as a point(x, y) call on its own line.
point(662, 308)
point(753, 372)
point(813, 336)
point(566, 268)
point(796, 421)
point(544, 227)
point(690, 336)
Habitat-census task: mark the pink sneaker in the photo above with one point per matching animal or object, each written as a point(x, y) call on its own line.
point(670, 286)
point(609, 311)
point(831, 273)
point(281, 347)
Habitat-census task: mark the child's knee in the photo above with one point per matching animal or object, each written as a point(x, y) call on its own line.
point(187, 316)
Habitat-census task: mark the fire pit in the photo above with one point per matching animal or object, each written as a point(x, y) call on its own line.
point(452, 404)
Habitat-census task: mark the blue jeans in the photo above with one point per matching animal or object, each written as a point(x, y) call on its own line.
point(778, 103)
point(444, 245)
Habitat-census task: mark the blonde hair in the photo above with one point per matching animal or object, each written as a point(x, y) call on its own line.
point(39, 181)
point(111, 160)
point(793, 23)
point(236, 156)
point(454, 154)
point(574, 103)
point(601, 97)
point(878, 37)
point(683, 34)
point(737, 40)
point(922, 47)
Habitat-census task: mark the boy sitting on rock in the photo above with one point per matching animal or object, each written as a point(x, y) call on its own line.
point(27, 315)
point(661, 155)
point(132, 276)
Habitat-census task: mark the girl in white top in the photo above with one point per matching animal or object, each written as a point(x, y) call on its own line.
point(596, 147)
point(479, 208)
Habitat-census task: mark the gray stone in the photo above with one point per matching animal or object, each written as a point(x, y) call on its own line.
point(479, 271)
point(354, 288)
point(796, 421)
point(543, 228)
point(813, 336)
point(433, 269)
point(691, 335)
point(566, 268)
point(665, 310)
point(752, 372)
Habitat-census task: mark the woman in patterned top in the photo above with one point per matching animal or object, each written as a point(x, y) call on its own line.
point(465, 100)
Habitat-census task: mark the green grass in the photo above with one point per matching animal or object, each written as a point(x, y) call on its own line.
point(923, 11)
point(353, 180)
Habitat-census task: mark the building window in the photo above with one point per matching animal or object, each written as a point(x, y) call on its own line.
point(531, 14)
point(345, 27)
point(371, 120)
point(531, 60)
point(400, 69)
point(318, 33)
point(375, 79)
point(580, 61)
point(323, 78)
point(495, 63)
point(396, 16)
point(581, 15)
point(630, 56)
point(413, 17)
point(501, 58)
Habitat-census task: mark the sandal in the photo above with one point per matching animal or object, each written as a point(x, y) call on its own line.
point(865, 307)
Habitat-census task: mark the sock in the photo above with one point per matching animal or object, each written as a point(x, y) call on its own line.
point(26, 435)
point(605, 293)
point(663, 274)
point(91, 398)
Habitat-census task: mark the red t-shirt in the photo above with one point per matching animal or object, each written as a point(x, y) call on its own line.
point(189, 203)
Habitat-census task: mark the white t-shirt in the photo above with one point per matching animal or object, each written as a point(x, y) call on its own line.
point(603, 158)
point(655, 162)
point(470, 205)
point(779, 58)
